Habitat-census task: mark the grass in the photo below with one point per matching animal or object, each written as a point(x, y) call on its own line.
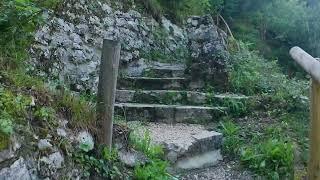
point(157, 167)
point(267, 144)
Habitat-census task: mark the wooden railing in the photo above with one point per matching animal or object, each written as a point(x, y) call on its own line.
point(312, 67)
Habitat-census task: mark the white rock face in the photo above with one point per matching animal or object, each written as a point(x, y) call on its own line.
point(68, 47)
point(44, 144)
point(18, 170)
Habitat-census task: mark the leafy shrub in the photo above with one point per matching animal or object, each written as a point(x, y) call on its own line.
point(179, 10)
point(251, 74)
point(18, 22)
point(156, 170)
point(91, 164)
point(6, 126)
point(232, 141)
point(144, 145)
point(12, 110)
point(13, 105)
point(45, 114)
point(273, 158)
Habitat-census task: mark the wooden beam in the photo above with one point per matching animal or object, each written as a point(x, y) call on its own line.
point(312, 66)
point(307, 62)
point(106, 90)
point(314, 160)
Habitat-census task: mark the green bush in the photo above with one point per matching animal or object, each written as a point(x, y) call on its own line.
point(273, 158)
point(144, 145)
point(13, 105)
point(232, 141)
point(156, 170)
point(179, 10)
point(253, 75)
point(18, 22)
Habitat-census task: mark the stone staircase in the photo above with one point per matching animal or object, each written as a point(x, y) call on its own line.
point(172, 114)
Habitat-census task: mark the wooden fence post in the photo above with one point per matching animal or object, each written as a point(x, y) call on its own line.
point(312, 66)
point(106, 90)
point(314, 161)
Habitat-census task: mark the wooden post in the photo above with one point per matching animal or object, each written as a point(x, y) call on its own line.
point(312, 66)
point(106, 90)
point(314, 161)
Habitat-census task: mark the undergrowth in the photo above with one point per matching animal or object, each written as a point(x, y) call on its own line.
point(271, 156)
point(157, 167)
point(266, 139)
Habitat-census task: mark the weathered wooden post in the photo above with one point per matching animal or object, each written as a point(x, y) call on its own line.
point(106, 90)
point(312, 66)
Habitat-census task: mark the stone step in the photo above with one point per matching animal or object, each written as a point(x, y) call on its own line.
point(187, 146)
point(148, 83)
point(164, 70)
point(168, 113)
point(175, 97)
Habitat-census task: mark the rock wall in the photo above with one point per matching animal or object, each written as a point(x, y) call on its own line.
point(68, 46)
point(209, 55)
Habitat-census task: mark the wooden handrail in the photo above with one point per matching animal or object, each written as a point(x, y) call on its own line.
point(307, 62)
point(312, 66)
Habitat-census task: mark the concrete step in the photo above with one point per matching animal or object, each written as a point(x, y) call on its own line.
point(148, 83)
point(187, 146)
point(164, 70)
point(175, 97)
point(168, 113)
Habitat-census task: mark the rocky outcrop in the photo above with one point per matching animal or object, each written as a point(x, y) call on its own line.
point(68, 46)
point(209, 56)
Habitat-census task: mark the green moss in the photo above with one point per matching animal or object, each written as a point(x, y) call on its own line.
point(4, 141)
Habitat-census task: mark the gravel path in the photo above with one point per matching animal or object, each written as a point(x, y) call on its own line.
point(222, 171)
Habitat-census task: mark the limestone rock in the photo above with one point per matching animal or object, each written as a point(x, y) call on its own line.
point(18, 170)
point(10, 152)
point(85, 141)
point(132, 158)
point(44, 144)
point(210, 59)
point(61, 132)
point(49, 165)
point(68, 47)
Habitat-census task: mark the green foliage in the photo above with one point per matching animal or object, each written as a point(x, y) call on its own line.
point(106, 166)
point(6, 126)
point(13, 109)
point(92, 165)
point(232, 141)
point(14, 105)
point(18, 22)
point(4, 141)
point(268, 152)
point(251, 74)
point(80, 112)
point(110, 155)
point(144, 145)
point(45, 114)
point(236, 108)
point(273, 158)
point(156, 170)
point(179, 10)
